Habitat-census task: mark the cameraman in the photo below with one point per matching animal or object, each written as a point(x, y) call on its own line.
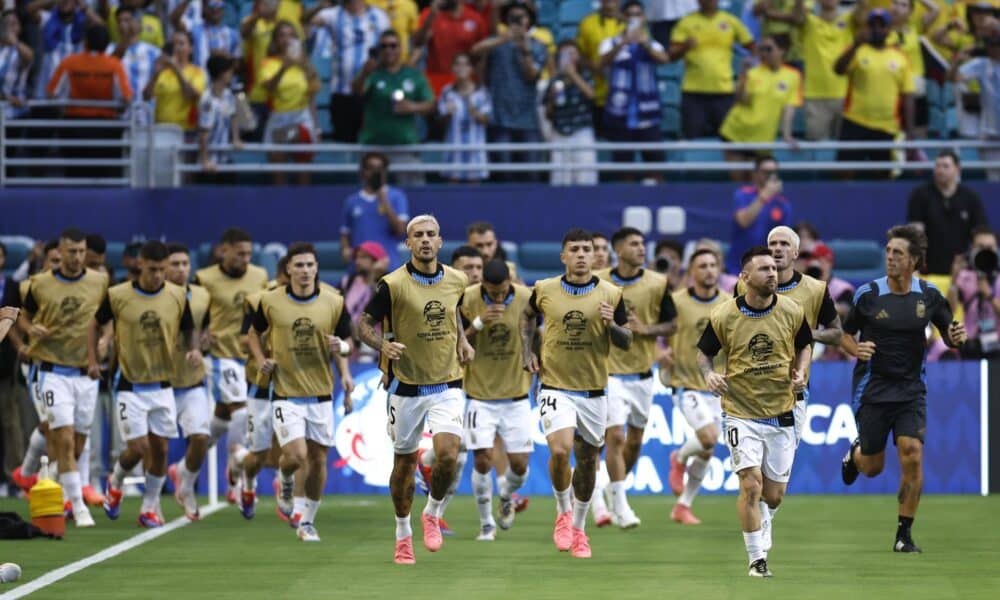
point(975, 288)
point(378, 212)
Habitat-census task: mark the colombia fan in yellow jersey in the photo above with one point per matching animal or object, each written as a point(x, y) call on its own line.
point(701, 408)
point(307, 328)
point(424, 345)
point(630, 384)
point(584, 316)
point(767, 343)
point(497, 387)
point(228, 283)
point(188, 381)
point(58, 306)
point(149, 315)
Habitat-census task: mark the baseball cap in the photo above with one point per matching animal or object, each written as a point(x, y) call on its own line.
point(880, 14)
point(373, 249)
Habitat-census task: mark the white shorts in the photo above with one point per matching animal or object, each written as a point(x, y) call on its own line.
point(700, 409)
point(260, 424)
point(800, 415)
point(629, 399)
point(194, 411)
point(562, 409)
point(228, 379)
point(65, 398)
point(297, 419)
point(754, 444)
point(511, 419)
point(406, 415)
point(146, 410)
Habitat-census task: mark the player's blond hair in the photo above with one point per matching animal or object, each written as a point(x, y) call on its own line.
point(417, 220)
point(794, 237)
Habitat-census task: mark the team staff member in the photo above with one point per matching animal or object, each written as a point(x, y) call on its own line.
point(584, 315)
point(306, 326)
point(651, 315)
point(423, 349)
point(149, 314)
point(497, 387)
point(892, 314)
point(229, 283)
point(57, 307)
point(768, 346)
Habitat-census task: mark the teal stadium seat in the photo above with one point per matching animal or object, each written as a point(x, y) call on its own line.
point(670, 92)
point(16, 253)
point(857, 261)
point(573, 11)
point(331, 264)
point(539, 260)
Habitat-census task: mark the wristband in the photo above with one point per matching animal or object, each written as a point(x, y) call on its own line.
point(345, 348)
point(478, 324)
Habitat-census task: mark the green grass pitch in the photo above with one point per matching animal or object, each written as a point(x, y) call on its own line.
point(825, 547)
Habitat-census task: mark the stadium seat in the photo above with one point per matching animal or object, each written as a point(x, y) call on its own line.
point(674, 70)
point(333, 277)
point(447, 248)
point(933, 93)
point(670, 92)
point(573, 11)
point(540, 260)
point(328, 256)
point(16, 253)
point(671, 124)
point(857, 261)
point(114, 253)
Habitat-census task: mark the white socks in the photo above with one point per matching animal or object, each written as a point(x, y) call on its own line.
point(691, 447)
point(187, 477)
point(298, 505)
point(83, 464)
point(482, 487)
point(619, 499)
point(72, 491)
point(564, 500)
point(510, 483)
point(37, 447)
point(434, 507)
point(237, 429)
point(118, 476)
point(427, 458)
point(216, 430)
point(580, 510)
point(403, 529)
point(695, 473)
point(151, 495)
point(755, 545)
point(309, 509)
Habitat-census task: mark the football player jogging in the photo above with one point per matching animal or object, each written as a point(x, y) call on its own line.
point(584, 316)
point(58, 307)
point(228, 284)
point(188, 382)
point(308, 328)
point(812, 295)
point(768, 345)
point(497, 387)
point(149, 315)
point(651, 315)
point(701, 408)
point(892, 315)
point(425, 348)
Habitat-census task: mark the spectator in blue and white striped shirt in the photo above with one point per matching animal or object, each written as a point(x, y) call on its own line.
point(353, 31)
point(138, 57)
point(211, 35)
point(215, 114)
point(61, 32)
point(467, 108)
point(188, 10)
point(15, 60)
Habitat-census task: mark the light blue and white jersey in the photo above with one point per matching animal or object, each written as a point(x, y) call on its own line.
point(59, 40)
point(139, 62)
point(213, 38)
point(215, 115)
point(350, 38)
point(464, 130)
point(13, 80)
point(190, 18)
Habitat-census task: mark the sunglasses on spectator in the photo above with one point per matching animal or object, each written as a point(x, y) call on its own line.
point(389, 46)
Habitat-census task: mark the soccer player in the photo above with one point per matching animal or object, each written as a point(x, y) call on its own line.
point(892, 314)
point(188, 382)
point(425, 346)
point(814, 298)
point(651, 314)
point(149, 315)
point(584, 316)
point(602, 258)
point(469, 261)
point(57, 307)
point(497, 387)
point(481, 236)
point(307, 327)
point(701, 409)
point(768, 344)
point(228, 283)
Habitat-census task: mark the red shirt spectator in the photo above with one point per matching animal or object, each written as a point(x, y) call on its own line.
point(448, 28)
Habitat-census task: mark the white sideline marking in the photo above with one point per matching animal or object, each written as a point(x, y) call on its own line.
point(109, 552)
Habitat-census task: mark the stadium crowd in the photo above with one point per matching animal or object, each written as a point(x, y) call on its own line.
point(398, 72)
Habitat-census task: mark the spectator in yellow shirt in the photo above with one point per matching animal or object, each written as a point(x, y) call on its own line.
point(779, 17)
point(605, 23)
point(879, 83)
point(152, 28)
point(256, 31)
point(176, 84)
point(906, 36)
point(404, 17)
point(705, 40)
point(823, 38)
point(766, 97)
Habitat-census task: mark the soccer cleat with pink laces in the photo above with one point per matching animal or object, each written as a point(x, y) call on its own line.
point(404, 552)
point(581, 544)
point(432, 532)
point(563, 533)
point(683, 515)
point(676, 477)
